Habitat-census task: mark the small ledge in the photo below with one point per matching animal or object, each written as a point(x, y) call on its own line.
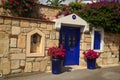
point(23, 18)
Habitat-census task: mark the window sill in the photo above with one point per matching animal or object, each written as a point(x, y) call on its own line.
point(100, 51)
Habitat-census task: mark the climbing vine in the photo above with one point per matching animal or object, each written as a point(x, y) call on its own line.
point(100, 14)
point(22, 8)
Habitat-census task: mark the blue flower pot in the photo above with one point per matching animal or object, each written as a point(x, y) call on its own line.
point(91, 63)
point(56, 66)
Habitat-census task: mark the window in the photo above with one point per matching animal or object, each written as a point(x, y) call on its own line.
point(97, 40)
point(35, 43)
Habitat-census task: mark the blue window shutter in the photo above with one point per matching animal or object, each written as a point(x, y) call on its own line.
point(97, 40)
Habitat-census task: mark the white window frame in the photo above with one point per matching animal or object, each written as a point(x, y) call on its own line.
point(42, 44)
point(102, 39)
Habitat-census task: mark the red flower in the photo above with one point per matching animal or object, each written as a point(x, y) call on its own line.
point(17, 2)
point(2, 2)
point(11, 2)
point(57, 52)
point(91, 54)
point(28, 5)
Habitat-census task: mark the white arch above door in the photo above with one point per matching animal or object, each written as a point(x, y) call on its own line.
point(73, 20)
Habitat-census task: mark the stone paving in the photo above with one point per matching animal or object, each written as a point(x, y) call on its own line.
point(109, 73)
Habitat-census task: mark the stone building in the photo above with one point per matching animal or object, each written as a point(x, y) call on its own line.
point(24, 42)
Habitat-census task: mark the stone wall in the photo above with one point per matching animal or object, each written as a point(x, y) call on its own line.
point(111, 53)
point(13, 35)
point(13, 45)
point(49, 12)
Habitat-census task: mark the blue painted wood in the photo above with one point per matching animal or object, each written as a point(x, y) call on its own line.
point(91, 63)
point(97, 40)
point(70, 37)
point(56, 66)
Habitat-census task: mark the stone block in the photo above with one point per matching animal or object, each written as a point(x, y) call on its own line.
point(1, 8)
point(5, 66)
point(106, 48)
point(13, 42)
point(23, 50)
point(57, 35)
point(21, 41)
point(81, 54)
point(103, 55)
point(5, 28)
point(104, 61)
point(36, 66)
point(25, 30)
point(48, 68)
point(7, 21)
point(113, 56)
point(38, 59)
point(16, 71)
point(87, 36)
point(47, 36)
point(110, 60)
point(115, 48)
point(4, 44)
point(115, 60)
point(43, 25)
point(17, 56)
point(43, 65)
point(49, 26)
point(52, 35)
point(24, 23)
point(83, 62)
point(1, 20)
point(15, 64)
point(28, 67)
point(33, 24)
point(83, 46)
point(0, 64)
point(22, 63)
point(15, 30)
point(15, 22)
point(99, 61)
point(15, 50)
point(30, 59)
point(109, 54)
point(88, 40)
point(51, 43)
point(46, 32)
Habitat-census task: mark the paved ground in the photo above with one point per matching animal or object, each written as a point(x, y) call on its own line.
point(109, 73)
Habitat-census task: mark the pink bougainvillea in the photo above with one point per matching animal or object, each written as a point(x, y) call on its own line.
point(91, 54)
point(22, 8)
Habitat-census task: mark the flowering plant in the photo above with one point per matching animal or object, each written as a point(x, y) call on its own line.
point(22, 8)
point(57, 52)
point(91, 54)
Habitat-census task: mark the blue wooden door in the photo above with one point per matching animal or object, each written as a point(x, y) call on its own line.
point(70, 38)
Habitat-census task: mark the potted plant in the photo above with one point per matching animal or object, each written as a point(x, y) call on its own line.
point(57, 54)
point(91, 57)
